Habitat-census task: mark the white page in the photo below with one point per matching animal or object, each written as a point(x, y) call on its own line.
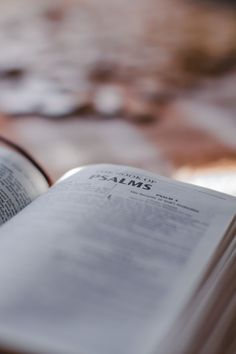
point(20, 183)
point(88, 268)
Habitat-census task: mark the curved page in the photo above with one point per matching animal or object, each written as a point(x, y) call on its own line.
point(102, 262)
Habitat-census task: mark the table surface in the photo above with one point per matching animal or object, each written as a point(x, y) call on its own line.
point(179, 138)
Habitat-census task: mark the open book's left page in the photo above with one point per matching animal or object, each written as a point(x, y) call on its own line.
point(102, 262)
point(20, 183)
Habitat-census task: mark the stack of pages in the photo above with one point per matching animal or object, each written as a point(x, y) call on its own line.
point(114, 260)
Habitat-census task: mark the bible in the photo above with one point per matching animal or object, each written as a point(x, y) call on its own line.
point(114, 260)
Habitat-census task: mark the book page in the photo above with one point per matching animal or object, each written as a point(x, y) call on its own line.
point(101, 263)
point(20, 183)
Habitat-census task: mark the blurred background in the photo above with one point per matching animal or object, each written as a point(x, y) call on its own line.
point(147, 83)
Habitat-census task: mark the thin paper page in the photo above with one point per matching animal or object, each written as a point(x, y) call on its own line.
point(20, 183)
point(88, 268)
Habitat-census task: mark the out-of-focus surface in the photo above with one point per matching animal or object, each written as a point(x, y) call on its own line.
point(144, 83)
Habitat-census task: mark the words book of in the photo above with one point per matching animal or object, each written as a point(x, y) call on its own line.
point(114, 260)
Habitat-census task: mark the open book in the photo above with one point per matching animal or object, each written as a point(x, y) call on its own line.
point(114, 260)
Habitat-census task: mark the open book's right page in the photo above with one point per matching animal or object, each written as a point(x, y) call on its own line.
point(103, 262)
